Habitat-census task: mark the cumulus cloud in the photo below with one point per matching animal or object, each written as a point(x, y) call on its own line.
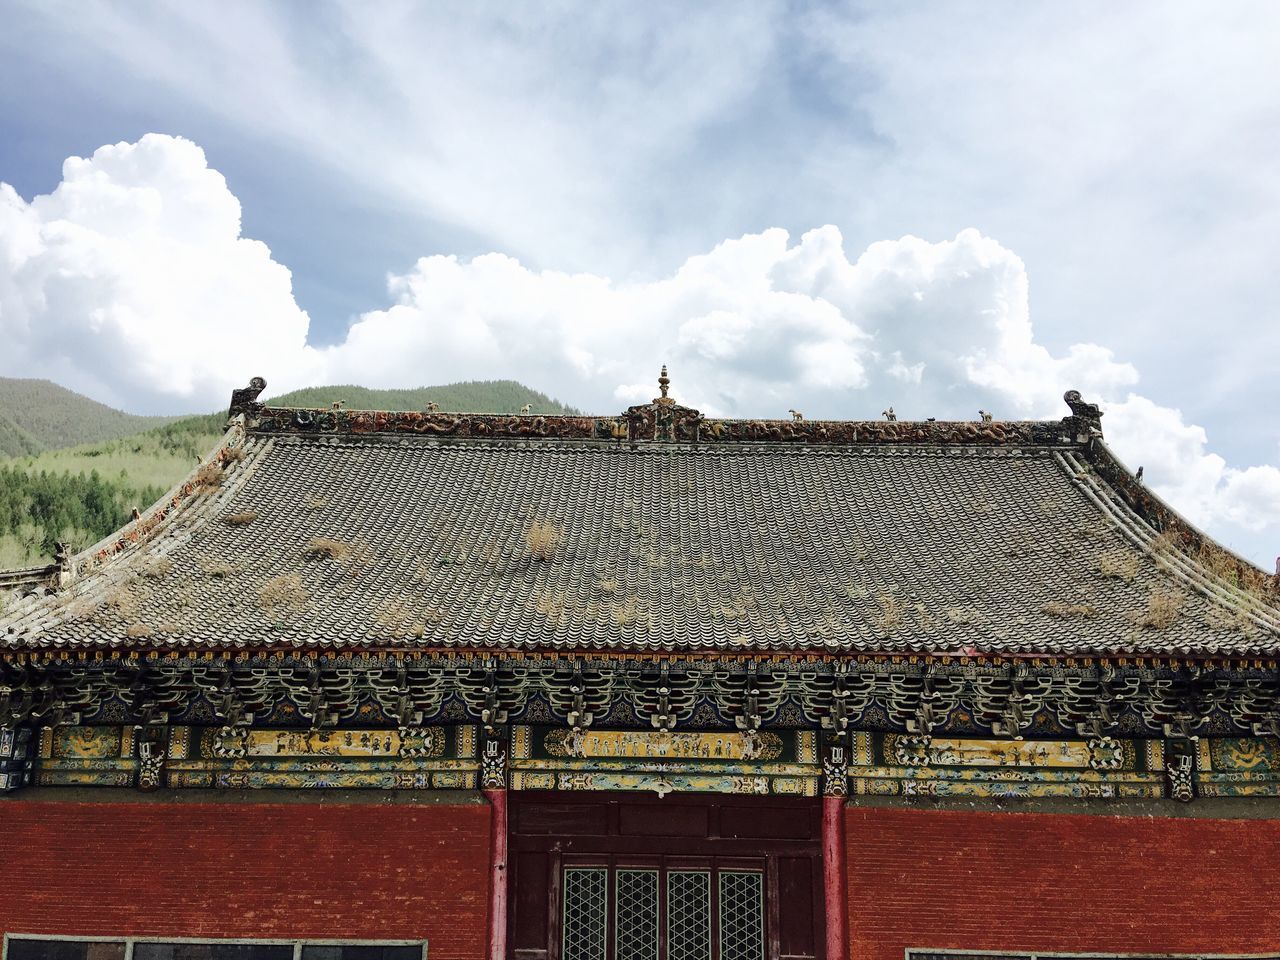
point(753, 327)
point(132, 281)
point(1200, 484)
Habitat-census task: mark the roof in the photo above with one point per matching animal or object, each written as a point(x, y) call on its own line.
point(657, 531)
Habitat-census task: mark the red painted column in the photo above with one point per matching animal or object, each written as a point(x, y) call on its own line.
point(835, 880)
point(498, 873)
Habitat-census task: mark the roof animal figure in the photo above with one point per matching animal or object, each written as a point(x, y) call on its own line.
point(796, 414)
point(246, 398)
point(889, 415)
point(432, 406)
point(527, 408)
point(339, 404)
point(1089, 412)
point(1138, 475)
point(986, 417)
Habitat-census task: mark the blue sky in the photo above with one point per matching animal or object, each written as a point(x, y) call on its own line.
point(1092, 186)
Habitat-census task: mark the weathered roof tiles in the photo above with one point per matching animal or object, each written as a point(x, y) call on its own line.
point(382, 530)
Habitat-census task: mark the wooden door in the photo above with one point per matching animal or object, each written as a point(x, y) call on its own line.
point(692, 877)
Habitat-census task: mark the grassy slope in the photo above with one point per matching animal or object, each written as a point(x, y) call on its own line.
point(53, 486)
point(39, 415)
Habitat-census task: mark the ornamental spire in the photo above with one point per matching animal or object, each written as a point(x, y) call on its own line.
point(664, 381)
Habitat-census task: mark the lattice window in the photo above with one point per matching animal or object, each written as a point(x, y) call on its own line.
point(636, 917)
point(585, 913)
point(741, 915)
point(689, 915)
point(620, 912)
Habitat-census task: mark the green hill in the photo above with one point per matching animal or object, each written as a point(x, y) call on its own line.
point(79, 494)
point(475, 396)
point(38, 415)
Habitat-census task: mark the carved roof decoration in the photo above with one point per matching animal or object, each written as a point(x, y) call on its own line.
point(658, 532)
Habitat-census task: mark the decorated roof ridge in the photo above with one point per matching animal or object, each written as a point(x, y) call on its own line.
point(664, 420)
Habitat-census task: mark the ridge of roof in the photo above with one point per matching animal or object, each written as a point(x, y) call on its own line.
point(663, 420)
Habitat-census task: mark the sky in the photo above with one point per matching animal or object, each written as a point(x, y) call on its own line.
point(943, 207)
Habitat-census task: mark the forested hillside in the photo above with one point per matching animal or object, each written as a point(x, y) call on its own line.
point(82, 493)
point(38, 415)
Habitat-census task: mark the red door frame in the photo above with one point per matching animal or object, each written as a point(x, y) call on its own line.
point(786, 833)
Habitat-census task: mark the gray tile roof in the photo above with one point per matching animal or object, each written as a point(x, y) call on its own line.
point(401, 538)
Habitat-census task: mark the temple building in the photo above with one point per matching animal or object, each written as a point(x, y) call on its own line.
point(656, 686)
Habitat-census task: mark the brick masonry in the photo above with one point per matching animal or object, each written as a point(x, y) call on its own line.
point(1060, 882)
point(917, 878)
point(250, 870)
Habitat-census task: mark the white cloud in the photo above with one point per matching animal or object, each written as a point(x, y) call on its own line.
point(1178, 467)
point(131, 281)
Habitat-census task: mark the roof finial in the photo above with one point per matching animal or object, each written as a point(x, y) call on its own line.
point(664, 381)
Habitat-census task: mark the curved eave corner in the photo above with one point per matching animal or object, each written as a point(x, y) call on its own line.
point(1179, 546)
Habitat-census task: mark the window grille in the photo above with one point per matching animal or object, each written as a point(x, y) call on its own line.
point(741, 915)
point(689, 915)
point(957, 954)
point(624, 912)
point(585, 913)
point(636, 922)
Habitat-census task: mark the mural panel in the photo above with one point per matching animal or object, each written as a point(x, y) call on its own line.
point(904, 765)
point(750, 762)
point(1238, 767)
point(238, 758)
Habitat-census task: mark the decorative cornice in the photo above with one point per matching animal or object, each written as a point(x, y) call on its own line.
point(664, 420)
point(918, 698)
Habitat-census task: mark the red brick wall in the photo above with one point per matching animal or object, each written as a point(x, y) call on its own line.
point(246, 870)
point(1027, 881)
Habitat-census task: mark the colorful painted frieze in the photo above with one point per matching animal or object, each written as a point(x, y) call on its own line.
point(237, 758)
point(741, 762)
point(906, 765)
point(1238, 767)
